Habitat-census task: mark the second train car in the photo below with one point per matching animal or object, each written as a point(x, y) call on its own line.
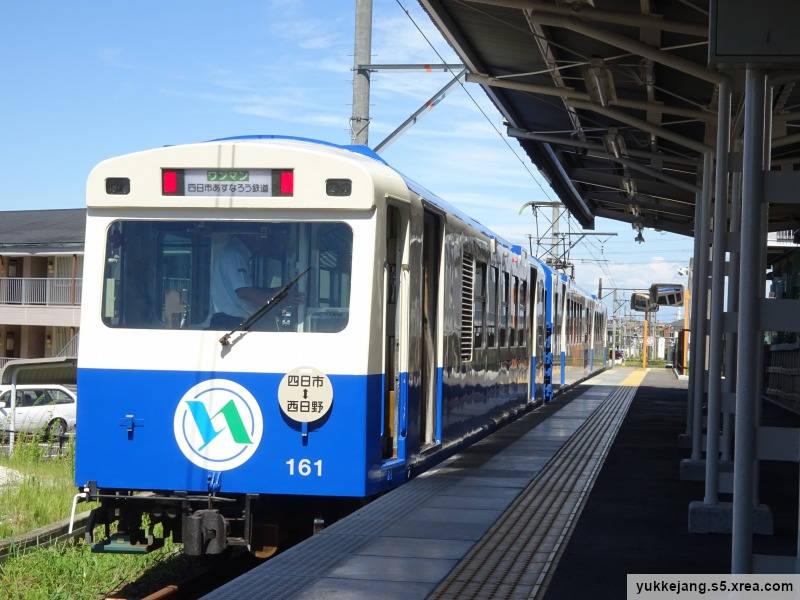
point(274, 326)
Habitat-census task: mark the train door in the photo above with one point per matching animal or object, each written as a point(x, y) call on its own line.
point(562, 342)
point(532, 327)
point(541, 330)
point(431, 252)
point(395, 326)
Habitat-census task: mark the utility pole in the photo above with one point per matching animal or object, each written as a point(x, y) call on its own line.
point(644, 339)
point(614, 334)
point(362, 55)
point(554, 236)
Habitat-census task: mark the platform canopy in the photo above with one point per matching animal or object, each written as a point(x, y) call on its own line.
point(613, 100)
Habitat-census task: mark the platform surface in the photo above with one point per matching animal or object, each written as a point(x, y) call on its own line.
point(406, 542)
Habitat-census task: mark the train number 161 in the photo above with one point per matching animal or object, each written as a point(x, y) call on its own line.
point(305, 467)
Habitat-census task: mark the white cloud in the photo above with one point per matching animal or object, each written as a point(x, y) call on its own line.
point(330, 120)
point(396, 39)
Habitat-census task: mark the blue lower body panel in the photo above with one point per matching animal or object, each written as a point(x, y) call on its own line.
point(140, 430)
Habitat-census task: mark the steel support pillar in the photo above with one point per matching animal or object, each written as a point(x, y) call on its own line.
point(733, 307)
point(701, 294)
point(693, 319)
point(748, 322)
point(717, 288)
point(709, 516)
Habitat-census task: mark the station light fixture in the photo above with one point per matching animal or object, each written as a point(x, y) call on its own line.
point(614, 143)
point(630, 187)
point(639, 237)
point(600, 82)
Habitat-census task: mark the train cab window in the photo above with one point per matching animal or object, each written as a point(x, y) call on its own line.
point(491, 308)
point(479, 304)
point(213, 275)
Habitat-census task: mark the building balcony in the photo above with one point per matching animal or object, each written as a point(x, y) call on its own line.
point(50, 291)
point(42, 301)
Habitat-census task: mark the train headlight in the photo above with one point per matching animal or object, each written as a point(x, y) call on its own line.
point(118, 185)
point(338, 187)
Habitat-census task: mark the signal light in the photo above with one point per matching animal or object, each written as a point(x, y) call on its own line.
point(287, 183)
point(169, 182)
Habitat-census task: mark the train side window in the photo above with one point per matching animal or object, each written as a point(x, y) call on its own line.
point(479, 308)
point(569, 321)
point(513, 309)
point(523, 314)
point(491, 309)
point(541, 321)
point(556, 318)
point(503, 326)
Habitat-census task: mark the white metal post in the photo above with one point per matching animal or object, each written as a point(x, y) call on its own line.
point(748, 322)
point(717, 285)
point(733, 307)
point(701, 303)
point(694, 286)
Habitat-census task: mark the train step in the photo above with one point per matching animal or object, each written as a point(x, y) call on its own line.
point(120, 543)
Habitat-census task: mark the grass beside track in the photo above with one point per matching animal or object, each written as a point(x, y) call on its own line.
point(70, 571)
point(44, 494)
point(67, 570)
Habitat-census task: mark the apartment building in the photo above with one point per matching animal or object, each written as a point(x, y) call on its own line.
point(41, 262)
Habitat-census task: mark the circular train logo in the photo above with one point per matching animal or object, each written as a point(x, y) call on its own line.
point(218, 424)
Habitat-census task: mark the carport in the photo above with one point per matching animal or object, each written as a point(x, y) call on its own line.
point(25, 371)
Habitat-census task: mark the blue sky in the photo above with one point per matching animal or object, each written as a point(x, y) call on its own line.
point(85, 81)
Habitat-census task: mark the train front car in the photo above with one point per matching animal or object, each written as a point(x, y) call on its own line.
point(227, 369)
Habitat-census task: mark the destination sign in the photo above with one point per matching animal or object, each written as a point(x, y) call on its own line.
point(227, 182)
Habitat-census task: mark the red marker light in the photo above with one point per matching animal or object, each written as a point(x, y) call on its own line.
point(287, 183)
point(169, 182)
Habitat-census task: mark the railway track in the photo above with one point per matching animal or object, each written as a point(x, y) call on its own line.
point(208, 577)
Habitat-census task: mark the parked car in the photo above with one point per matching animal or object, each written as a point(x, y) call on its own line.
point(48, 408)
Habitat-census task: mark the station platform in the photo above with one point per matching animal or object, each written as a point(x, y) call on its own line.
point(490, 521)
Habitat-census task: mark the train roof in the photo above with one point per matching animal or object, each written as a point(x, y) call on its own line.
point(418, 189)
point(415, 187)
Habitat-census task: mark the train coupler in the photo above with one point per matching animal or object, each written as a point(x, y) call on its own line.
point(204, 532)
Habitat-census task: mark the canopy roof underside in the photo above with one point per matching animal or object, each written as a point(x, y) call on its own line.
point(613, 100)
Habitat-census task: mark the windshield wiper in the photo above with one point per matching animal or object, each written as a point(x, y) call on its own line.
point(262, 310)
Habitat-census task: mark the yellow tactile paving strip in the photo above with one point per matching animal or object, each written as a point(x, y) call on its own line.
point(635, 379)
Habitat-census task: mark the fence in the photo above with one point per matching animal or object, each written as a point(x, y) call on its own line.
point(40, 290)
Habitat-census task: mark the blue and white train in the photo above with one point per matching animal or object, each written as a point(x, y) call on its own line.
point(276, 326)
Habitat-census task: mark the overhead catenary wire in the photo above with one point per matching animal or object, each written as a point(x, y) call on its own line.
point(475, 102)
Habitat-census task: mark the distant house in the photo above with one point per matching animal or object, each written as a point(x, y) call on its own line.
point(41, 265)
